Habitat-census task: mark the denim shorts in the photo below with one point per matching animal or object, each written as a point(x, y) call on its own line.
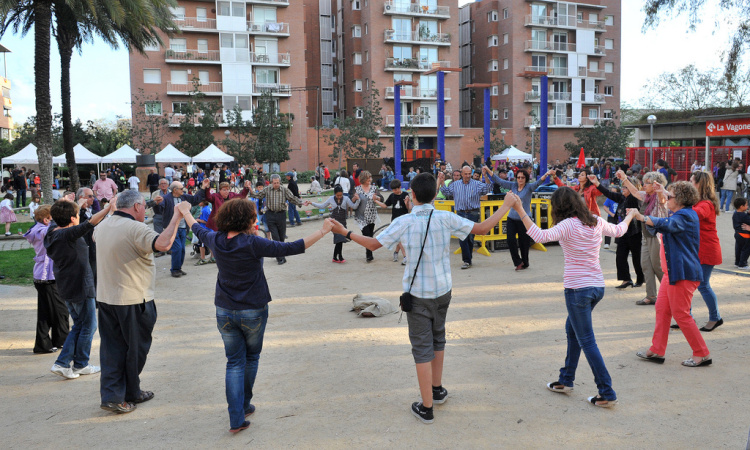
point(427, 326)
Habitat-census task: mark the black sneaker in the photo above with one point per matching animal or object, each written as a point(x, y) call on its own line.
point(422, 413)
point(439, 395)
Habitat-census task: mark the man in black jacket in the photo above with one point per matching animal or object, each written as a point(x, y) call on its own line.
point(75, 282)
point(294, 189)
point(152, 180)
point(175, 197)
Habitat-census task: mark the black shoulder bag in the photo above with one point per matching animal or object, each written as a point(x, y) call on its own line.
point(406, 296)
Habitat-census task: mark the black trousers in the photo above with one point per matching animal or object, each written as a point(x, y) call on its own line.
point(369, 230)
point(51, 315)
point(125, 332)
point(610, 219)
point(337, 248)
point(276, 221)
point(516, 227)
point(626, 245)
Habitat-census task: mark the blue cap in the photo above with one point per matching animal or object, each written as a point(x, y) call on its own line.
point(289, 174)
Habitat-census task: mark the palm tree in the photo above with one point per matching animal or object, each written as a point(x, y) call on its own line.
point(133, 22)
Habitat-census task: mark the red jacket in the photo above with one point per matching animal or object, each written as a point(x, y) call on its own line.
point(709, 250)
point(217, 200)
point(589, 196)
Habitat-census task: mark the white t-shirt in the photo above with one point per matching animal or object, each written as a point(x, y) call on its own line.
point(134, 181)
point(6, 204)
point(344, 182)
point(169, 172)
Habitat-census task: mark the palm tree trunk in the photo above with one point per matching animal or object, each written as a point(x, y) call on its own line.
point(43, 19)
point(65, 45)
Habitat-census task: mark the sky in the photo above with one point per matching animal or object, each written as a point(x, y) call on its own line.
point(101, 80)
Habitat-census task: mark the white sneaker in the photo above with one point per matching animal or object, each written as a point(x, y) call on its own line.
point(88, 370)
point(744, 268)
point(65, 372)
point(403, 263)
point(606, 245)
point(395, 256)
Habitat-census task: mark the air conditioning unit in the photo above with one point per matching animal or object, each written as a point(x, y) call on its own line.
point(387, 7)
point(257, 27)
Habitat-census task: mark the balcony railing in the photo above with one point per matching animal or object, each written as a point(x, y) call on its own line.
point(564, 21)
point(268, 2)
point(417, 36)
point(416, 9)
point(270, 28)
point(175, 119)
point(560, 121)
point(272, 59)
point(192, 55)
point(535, 96)
point(597, 98)
point(551, 71)
point(417, 120)
point(549, 46)
point(409, 92)
point(213, 88)
point(274, 89)
point(189, 23)
point(407, 64)
point(7, 103)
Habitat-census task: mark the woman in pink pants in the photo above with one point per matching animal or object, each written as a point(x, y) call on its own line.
point(682, 274)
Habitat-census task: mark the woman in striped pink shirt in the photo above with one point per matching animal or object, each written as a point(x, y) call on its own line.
point(580, 235)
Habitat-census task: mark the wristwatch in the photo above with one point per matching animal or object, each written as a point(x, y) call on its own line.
point(349, 236)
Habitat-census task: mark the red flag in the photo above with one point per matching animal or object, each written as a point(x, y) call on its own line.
point(581, 160)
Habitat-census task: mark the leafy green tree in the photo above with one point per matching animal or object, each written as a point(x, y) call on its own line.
point(150, 123)
point(359, 138)
point(606, 138)
point(692, 89)
point(200, 119)
point(271, 129)
point(105, 137)
point(240, 143)
point(497, 143)
point(6, 148)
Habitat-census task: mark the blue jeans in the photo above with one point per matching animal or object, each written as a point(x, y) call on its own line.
point(293, 214)
point(77, 347)
point(20, 198)
point(708, 294)
point(580, 331)
point(242, 333)
point(467, 245)
point(178, 250)
point(726, 197)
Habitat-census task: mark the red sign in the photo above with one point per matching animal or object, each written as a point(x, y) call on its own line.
point(728, 127)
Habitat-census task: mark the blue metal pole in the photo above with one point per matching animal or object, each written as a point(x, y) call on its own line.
point(544, 110)
point(486, 124)
point(397, 131)
point(441, 114)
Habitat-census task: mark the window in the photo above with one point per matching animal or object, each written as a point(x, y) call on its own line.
point(179, 77)
point(202, 45)
point(505, 113)
point(357, 85)
point(593, 114)
point(153, 108)
point(609, 44)
point(203, 77)
point(200, 14)
point(608, 90)
point(367, 55)
point(178, 45)
point(505, 38)
point(609, 20)
point(151, 76)
point(505, 88)
point(492, 66)
point(367, 84)
point(593, 18)
point(609, 67)
point(355, 5)
point(495, 114)
point(492, 41)
point(428, 54)
point(506, 13)
point(179, 107)
point(266, 76)
point(492, 16)
point(151, 47)
point(505, 63)
point(225, 9)
point(580, 17)
point(356, 31)
point(594, 66)
point(608, 114)
point(357, 59)
point(494, 90)
point(238, 9)
point(359, 113)
point(366, 28)
point(178, 12)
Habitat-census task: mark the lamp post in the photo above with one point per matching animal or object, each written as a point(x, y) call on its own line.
point(532, 128)
point(651, 121)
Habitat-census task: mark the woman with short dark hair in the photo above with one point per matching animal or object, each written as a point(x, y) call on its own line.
point(242, 295)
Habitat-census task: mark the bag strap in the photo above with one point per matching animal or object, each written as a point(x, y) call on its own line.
point(421, 250)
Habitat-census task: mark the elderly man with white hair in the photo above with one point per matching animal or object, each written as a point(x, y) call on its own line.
point(176, 196)
point(127, 313)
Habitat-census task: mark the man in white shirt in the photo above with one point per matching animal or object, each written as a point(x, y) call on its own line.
point(134, 181)
point(169, 173)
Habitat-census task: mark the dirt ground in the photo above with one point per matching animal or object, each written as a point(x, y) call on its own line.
point(329, 379)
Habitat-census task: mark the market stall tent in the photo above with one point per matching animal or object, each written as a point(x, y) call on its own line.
point(512, 154)
point(123, 155)
point(170, 154)
point(212, 154)
point(82, 156)
point(26, 156)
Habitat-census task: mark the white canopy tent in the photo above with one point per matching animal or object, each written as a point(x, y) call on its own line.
point(82, 156)
point(26, 156)
point(212, 154)
point(123, 155)
point(512, 154)
point(169, 154)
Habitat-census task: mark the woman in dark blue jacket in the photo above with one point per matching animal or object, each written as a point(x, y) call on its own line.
point(682, 274)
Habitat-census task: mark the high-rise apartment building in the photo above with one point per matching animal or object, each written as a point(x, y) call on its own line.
point(508, 43)
point(6, 121)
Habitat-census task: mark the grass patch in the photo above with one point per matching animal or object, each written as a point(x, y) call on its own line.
point(14, 227)
point(18, 267)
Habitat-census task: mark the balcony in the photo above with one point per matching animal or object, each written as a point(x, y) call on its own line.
point(413, 65)
point(268, 28)
point(195, 23)
point(555, 72)
point(585, 72)
point(413, 93)
point(546, 46)
point(564, 122)
point(192, 56)
point(569, 22)
point(417, 10)
point(276, 90)
point(535, 96)
point(281, 3)
point(4, 83)
point(592, 98)
point(417, 121)
point(175, 119)
point(273, 59)
point(213, 88)
point(417, 37)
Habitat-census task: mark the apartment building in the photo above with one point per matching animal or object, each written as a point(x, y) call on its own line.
point(6, 121)
point(380, 43)
point(509, 43)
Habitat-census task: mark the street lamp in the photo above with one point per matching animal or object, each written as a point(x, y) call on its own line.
point(651, 121)
point(532, 128)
